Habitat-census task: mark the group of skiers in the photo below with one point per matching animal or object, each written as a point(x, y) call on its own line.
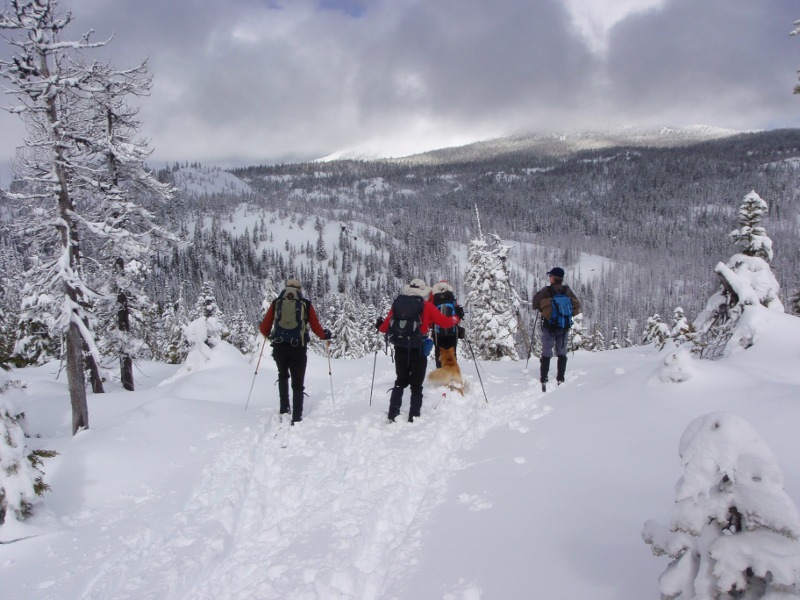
point(417, 312)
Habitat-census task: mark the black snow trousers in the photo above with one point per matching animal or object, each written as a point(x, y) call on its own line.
point(291, 362)
point(410, 365)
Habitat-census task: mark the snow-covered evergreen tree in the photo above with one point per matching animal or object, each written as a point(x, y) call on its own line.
point(746, 280)
point(598, 342)
point(750, 236)
point(127, 234)
point(491, 300)
point(208, 322)
point(627, 335)
point(270, 292)
point(37, 339)
point(349, 339)
point(734, 531)
point(681, 328)
point(375, 341)
point(656, 332)
point(242, 334)
point(9, 308)
point(614, 343)
point(176, 345)
point(122, 312)
point(576, 336)
point(21, 476)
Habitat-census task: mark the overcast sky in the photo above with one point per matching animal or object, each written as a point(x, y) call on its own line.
point(259, 81)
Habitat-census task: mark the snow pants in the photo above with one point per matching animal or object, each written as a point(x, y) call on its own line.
point(553, 341)
point(409, 365)
point(291, 362)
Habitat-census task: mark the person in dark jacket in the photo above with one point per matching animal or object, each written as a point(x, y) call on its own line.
point(286, 325)
point(553, 338)
point(444, 299)
point(410, 358)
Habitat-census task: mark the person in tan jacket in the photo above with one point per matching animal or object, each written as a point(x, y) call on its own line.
point(552, 301)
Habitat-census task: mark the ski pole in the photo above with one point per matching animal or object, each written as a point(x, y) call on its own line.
point(533, 336)
point(374, 362)
point(477, 370)
point(330, 373)
point(260, 354)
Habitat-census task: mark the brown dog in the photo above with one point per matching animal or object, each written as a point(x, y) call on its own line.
point(449, 374)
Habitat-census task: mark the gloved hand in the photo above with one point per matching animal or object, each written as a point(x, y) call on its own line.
point(328, 335)
point(460, 312)
point(461, 332)
point(378, 322)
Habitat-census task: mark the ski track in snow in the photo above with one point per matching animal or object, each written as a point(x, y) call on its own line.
point(278, 515)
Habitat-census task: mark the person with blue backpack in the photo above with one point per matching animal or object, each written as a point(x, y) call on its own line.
point(406, 327)
point(443, 298)
point(557, 304)
point(286, 325)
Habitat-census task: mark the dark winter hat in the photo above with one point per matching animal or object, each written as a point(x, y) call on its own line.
point(557, 271)
point(293, 283)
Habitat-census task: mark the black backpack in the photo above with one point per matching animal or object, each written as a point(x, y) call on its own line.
point(291, 318)
point(446, 303)
point(404, 328)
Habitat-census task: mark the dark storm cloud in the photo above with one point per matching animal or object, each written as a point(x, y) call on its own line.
point(261, 80)
point(729, 63)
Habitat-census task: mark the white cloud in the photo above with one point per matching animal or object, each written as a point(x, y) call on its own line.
point(595, 18)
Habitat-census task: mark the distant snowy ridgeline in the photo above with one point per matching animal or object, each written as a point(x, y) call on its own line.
point(205, 181)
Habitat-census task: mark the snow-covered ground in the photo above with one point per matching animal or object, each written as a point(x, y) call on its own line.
point(177, 492)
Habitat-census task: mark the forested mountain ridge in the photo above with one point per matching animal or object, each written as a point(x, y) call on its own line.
point(564, 145)
point(661, 215)
point(638, 229)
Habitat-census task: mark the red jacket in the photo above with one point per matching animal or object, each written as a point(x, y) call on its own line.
point(430, 314)
point(313, 321)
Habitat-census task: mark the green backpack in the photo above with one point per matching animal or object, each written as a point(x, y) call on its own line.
point(291, 318)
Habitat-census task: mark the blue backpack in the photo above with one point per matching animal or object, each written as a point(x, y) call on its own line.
point(561, 315)
point(446, 303)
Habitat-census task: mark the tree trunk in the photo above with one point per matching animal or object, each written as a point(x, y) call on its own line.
point(75, 379)
point(126, 371)
point(70, 245)
point(124, 325)
point(95, 377)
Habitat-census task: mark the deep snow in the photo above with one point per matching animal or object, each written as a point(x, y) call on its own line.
point(177, 493)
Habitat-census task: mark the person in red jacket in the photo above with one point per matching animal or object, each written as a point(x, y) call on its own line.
point(406, 327)
point(286, 325)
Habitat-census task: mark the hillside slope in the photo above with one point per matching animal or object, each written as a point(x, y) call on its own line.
point(176, 492)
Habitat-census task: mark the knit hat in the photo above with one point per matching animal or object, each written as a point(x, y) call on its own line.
point(557, 271)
